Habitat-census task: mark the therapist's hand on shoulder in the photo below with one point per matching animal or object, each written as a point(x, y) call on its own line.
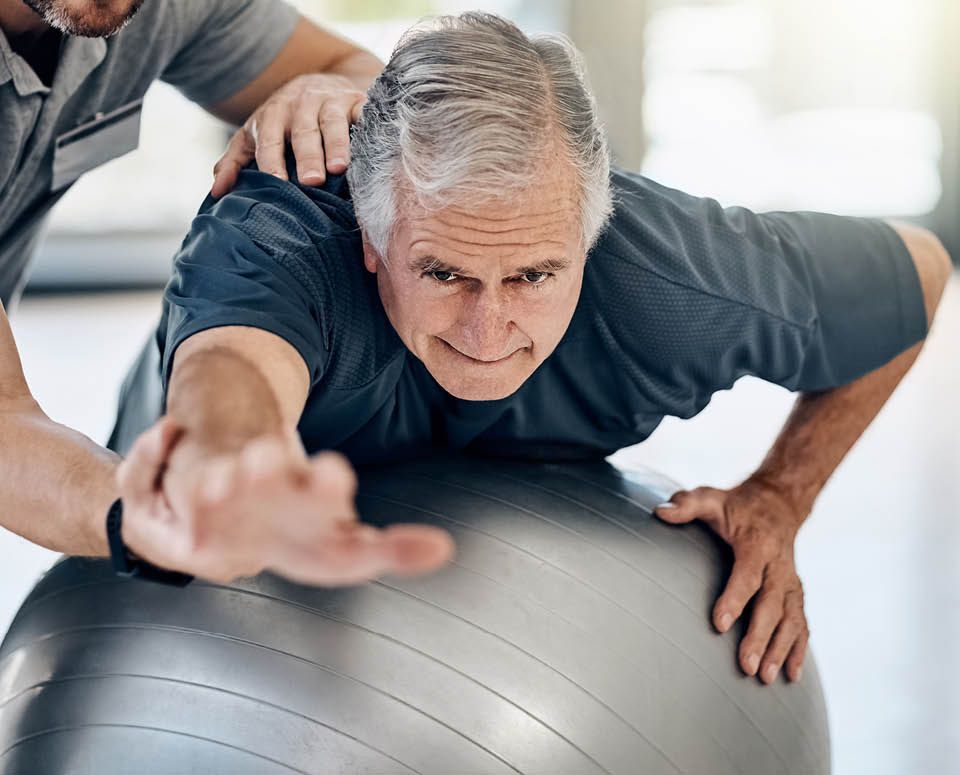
point(760, 524)
point(267, 506)
point(313, 113)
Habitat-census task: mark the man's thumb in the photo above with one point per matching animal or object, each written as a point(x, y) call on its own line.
point(677, 510)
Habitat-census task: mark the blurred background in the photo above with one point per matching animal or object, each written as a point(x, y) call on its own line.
point(849, 106)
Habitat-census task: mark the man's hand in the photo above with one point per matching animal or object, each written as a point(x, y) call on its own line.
point(265, 507)
point(760, 523)
point(314, 112)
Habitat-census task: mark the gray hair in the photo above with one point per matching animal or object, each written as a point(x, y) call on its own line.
point(465, 112)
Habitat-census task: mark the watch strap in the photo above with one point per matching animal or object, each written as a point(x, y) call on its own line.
point(126, 563)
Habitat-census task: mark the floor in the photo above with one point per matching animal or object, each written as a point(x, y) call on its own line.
point(879, 556)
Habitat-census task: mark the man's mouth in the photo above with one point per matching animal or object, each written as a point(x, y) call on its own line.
point(483, 361)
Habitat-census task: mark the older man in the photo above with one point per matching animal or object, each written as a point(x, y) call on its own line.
point(489, 303)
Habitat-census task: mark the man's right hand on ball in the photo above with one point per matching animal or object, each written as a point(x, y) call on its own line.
point(266, 506)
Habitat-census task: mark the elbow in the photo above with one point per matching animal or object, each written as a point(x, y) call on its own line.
point(932, 262)
point(20, 417)
point(17, 401)
point(940, 261)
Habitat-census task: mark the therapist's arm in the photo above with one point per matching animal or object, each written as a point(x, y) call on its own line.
point(56, 484)
point(222, 487)
point(308, 95)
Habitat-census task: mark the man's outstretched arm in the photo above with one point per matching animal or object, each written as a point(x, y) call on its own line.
point(222, 487)
point(760, 517)
point(56, 483)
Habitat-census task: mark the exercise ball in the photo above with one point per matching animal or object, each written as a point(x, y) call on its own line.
point(570, 635)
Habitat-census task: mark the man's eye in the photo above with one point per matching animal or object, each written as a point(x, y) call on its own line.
point(535, 278)
point(443, 277)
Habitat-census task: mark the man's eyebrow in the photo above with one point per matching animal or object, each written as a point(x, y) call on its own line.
point(424, 264)
point(547, 265)
point(433, 264)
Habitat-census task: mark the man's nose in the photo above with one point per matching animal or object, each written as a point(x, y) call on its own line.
point(486, 325)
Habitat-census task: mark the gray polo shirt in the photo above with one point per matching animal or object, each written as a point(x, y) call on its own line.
point(209, 49)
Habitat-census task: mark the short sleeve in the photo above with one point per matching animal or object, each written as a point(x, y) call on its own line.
point(865, 292)
point(694, 296)
point(228, 272)
point(226, 45)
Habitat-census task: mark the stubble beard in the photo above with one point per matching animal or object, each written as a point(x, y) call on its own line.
point(94, 23)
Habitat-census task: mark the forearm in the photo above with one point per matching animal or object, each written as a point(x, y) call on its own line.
point(359, 66)
point(57, 484)
point(231, 385)
point(311, 50)
point(221, 401)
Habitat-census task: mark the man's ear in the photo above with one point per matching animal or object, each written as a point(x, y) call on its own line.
point(371, 259)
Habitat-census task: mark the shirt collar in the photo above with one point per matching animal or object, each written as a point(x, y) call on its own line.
point(78, 58)
point(6, 54)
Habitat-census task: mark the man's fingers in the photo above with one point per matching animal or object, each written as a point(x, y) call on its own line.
point(418, 548)
point(335, 125)
point(767, 614)
point(138, 475)
point(219, 482)
point(331, 474)
point(267, 461)
point(797, 654)
point(352, 557)
point(745, 579)
point(270, 135)
point(404, 549)
point(787, 632)
point(307, 142)
point(225, 178)
point(705, 503)
point(360, 553)
point(357, 110)
point(238, 153)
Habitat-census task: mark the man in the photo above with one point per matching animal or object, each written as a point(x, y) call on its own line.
point(464, 314)
point(72, 75)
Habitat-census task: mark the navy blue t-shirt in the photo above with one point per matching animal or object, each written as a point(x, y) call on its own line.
point(680, 298)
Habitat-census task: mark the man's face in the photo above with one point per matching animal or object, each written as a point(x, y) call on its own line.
point(86, 18)
point(483, 295)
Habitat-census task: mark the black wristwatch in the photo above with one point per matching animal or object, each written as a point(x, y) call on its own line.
point(126, 563)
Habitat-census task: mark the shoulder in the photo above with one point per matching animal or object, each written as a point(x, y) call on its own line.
point(159, 32)
point(284, 218)
point(178, 17)
point(159, 25)
point(138, 54)
point(272, 227)
point(679, 286)
point(692, 249)
point(312, 234)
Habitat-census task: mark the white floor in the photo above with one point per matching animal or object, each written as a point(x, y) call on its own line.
point(880, 557)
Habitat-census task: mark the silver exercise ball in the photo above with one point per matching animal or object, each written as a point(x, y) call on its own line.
point(570, 636)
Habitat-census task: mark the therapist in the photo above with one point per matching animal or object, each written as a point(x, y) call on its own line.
point(72, 77)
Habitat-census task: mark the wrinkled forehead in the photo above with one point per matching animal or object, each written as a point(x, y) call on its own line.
point(477, 240)
point(544, 214)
